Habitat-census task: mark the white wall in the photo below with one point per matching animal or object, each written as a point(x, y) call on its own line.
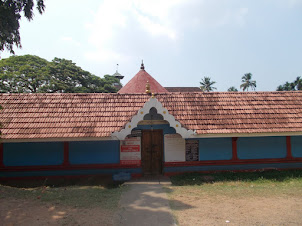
point(175, 148)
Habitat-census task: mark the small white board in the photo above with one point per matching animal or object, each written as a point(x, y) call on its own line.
point(175, 148)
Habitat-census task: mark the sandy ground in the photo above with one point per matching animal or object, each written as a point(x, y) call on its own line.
point(34, 212)
point(223, 210)
point(189, 209)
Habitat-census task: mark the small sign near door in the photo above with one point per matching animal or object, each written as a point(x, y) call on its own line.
point(192, 150)
point(130, 151)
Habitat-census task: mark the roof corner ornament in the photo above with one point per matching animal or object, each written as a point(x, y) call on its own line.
point(142, 65)
point(148, 89)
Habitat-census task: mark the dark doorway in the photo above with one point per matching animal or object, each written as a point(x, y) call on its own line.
point(152, 152)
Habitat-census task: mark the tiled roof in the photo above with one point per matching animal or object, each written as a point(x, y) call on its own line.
point(27, 116)
point(66, 115)
point(138, 84)
point(236, 112)
point(183, 89)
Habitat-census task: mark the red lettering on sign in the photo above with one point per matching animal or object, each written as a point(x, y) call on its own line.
point(130, 148)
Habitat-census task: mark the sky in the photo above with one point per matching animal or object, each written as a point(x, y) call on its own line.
point(180, 41)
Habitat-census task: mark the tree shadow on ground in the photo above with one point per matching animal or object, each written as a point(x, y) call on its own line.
point(148, 203)
point(33, 212)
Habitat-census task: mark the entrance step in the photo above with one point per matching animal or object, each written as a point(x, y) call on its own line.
point(151, 179)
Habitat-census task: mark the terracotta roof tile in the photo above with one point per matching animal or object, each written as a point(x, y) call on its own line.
point(32, 116)
point(138, 84)
point(183, 89)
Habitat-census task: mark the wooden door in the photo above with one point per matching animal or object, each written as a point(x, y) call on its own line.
point(152, 152)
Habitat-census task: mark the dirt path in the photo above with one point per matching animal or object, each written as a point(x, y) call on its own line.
point(145, 203)
point(33, 212)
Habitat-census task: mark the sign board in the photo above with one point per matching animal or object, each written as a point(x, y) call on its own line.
point(174, 148)
point(192, 150)
point(130, 151)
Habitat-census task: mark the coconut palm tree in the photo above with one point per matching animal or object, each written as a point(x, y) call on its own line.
point(291, 86)
point(206, 84)
point(287, 87)
point(298, 83)
point(247, 82)
point(232, 89)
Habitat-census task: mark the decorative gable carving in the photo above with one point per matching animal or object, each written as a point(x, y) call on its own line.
point(153, 102)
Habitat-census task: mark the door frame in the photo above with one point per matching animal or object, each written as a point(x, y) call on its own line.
point(162, 149)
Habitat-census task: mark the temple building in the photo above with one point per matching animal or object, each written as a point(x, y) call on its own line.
point(146, 128)
point(119, 77)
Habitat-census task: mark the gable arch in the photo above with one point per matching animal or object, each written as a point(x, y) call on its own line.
point(152, 103)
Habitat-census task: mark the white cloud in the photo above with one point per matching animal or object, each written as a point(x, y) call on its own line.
point(240, 16)
point(70, 40)
point(294, 3)
point(114, 19)
point(104, 55)
point(287, 3)
point(122, 28)
point(155, 29)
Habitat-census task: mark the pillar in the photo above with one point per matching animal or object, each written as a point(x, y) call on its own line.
point(66, 154)
point(288, 148)
point(234, 148)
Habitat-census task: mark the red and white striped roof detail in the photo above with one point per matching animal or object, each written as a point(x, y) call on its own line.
point(138, 84)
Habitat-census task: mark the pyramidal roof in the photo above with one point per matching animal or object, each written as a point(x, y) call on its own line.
point(138, 83)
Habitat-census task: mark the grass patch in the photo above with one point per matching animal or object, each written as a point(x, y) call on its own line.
point(254, 177)
point(84, 192)
point(239, 184)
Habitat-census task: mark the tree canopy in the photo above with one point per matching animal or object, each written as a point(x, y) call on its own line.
point(206, 84)
point(232, 89)
point(247, 82)
point(32, 74)
point(10, 14)
point(291, 86)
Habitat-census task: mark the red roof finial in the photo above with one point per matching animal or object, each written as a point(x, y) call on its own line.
point(142, 65)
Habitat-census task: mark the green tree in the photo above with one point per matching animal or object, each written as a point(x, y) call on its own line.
point(31, 74)
point(66, 77)
point(206, 84)
point(247, 82)
point(108, 83)
point(232, 89)
point(298, 83)
point(23, 74)
point(291, 86)
point(286, 87)
point(10, 14)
